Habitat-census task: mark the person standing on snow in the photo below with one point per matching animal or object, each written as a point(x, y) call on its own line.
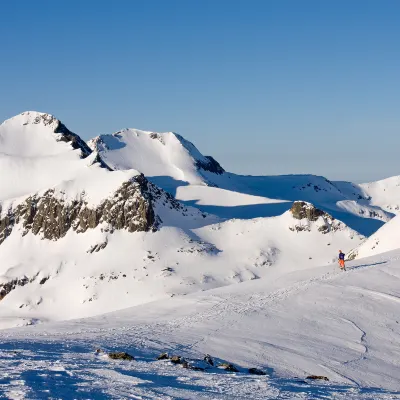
point(341, 260)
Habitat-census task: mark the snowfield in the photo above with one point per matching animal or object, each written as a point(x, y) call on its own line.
point(321, 321)
point(136, 242)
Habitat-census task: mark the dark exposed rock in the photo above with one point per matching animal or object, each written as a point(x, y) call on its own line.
point(209, 360)
point(119, 355)
point(97, 247)
point(187, 365)
point(72, 138)
point(177, 360)
point(44, 280)
point(6, 224)
point(256, 371)
point(163, 356)
point(97, 159)
point(317, 377)
point(228, 367)
point(130, 208)
point(211, 165)
point(7, 287)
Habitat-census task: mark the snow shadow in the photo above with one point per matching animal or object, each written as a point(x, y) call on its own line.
point(365, 226)
point(366, 265)
point(249, 211)
point(170, 185)
point(273, 187)
point(113, 142)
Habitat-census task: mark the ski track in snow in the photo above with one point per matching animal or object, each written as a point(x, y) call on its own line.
point(65, 366)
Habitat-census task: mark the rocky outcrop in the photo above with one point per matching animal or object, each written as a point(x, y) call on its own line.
point(119, 355)
point(308, 214)
point(6, 288)
point(129, 208)
point(256, 371)
point(163, 356)
point(304, 210)
point(318, 378)
point(228, 367)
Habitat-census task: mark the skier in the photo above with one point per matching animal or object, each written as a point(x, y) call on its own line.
point(341, 260)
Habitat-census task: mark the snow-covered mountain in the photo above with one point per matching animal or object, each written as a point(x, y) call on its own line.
point(143, 220)
point(87, 229)
point(178, 167)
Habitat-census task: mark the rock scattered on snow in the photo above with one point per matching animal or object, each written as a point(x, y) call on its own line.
point(209, 360)
point(317, 377)
point(228, 367)
point(119, 355)
point(256, 371)
point(163, 356)
point(177, 359)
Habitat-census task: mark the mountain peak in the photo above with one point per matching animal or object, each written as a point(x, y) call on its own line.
point(33, 118)
point(157, 155)
point(38, 120)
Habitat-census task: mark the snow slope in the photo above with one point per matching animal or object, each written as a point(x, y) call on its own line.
point(384, 193)
point(321, 321)
point(385, 239)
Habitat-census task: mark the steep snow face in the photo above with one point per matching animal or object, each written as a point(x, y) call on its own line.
point(384, 240)
point(155, 155)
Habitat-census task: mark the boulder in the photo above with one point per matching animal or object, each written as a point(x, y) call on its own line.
point(256, 371)
point(163, 356)
point(208, 359)
point(119, 355)
point(317, 377)
point(177, 359)
point(228, 367)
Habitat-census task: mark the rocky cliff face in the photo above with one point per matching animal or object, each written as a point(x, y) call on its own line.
point(48, 215)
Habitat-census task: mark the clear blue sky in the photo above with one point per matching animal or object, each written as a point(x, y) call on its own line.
point(266, 87)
